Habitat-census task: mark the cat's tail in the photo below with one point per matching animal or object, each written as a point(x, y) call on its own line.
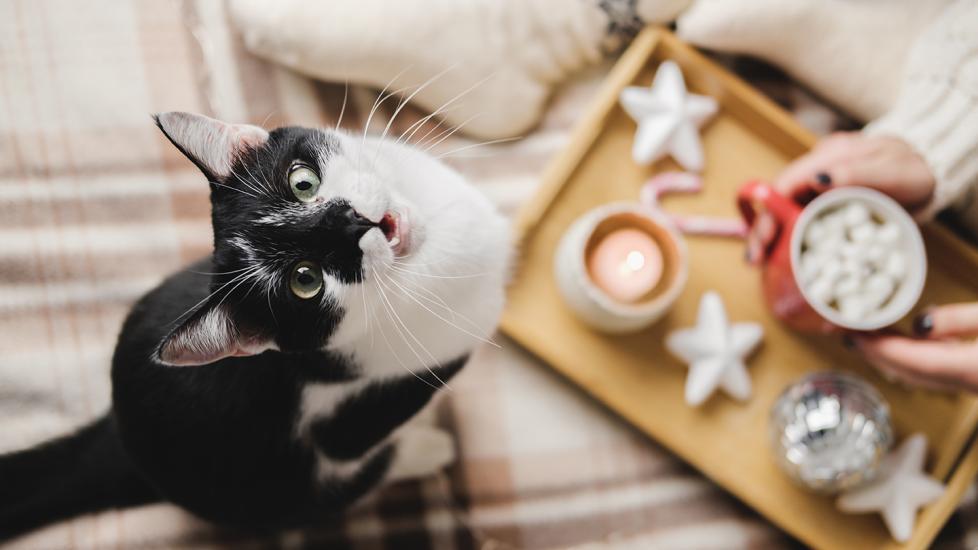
point(83, 472)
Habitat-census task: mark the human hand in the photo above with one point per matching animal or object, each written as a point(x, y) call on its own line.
point(887, 164)
point(941, 358)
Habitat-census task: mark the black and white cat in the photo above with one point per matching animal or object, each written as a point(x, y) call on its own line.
point(275, 382)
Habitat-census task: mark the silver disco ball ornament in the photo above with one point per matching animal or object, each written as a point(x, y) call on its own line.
point(829, 431)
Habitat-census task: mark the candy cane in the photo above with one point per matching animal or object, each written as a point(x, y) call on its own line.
point(685, 182)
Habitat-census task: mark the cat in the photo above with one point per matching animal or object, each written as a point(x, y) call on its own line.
point(277, 381)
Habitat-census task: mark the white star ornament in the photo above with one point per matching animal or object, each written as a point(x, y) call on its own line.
point(669, 118)
point(715, 351)
point(899, 489)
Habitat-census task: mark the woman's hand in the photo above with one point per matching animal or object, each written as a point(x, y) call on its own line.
point(941, 358)
point(887, 164)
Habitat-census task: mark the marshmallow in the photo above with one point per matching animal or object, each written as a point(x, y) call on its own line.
point(834, 222)
point(862, 233)
point(888, 234)
point(852, 261)
point(876, 254)
point(879, 289)
point(831, 269)
point(895, 265)
point(811, 266)
point(814, 234)
point(855, 214)
point(853, 308)
point(847, 285)
point(821, 290)
point(855, 251)
point(855, 267)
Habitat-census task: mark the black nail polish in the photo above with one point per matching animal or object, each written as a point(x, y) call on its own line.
point(823, 179)
point(923, 324)
point(848, 342)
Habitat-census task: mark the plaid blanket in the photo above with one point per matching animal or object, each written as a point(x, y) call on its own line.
point(95, 208)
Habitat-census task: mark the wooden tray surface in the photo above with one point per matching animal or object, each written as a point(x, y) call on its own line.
point(635, 376)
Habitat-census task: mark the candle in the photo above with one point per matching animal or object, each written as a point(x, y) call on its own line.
point(626, 264)
point(620, 267)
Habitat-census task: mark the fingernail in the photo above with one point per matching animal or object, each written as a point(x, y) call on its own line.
point(848, 342)
point(747, 256)
point(923, 324)
point(823, 179)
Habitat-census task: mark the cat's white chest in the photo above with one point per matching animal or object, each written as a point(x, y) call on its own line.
point(320, 401)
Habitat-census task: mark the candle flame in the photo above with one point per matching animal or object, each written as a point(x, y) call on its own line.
point(634, 262)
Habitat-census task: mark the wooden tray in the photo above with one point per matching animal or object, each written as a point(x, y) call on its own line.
point(636, 377)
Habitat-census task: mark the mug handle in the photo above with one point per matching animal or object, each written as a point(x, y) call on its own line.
point(756, 197)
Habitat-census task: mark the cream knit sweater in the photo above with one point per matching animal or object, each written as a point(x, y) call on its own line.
point(937, 109)
point(908, 66)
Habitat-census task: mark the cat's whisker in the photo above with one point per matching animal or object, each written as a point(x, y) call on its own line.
point(260, 182)
point(346, 93)
point(433, 276)
point(374, 318)
point(211, 295)
point(271, 310)
point(252, 187)
point(419, 288)
point(426, 134)
point(363, 295)
point(458, 96)
point(222, 272)
point(233, 189)
point(421, 360)
point(235, 287)
point(440, 303)
point(476, 336)
point(482, 144)
point(383, 333)
point(253, 184)
point(267, 117)
point(381, 98)
point(251, 288)
point(406, 100)
point(393, 311)
point(443, 135)
point(401, 327)
point(411, 130)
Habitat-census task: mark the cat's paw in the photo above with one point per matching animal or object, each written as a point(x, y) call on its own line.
point(421, 451)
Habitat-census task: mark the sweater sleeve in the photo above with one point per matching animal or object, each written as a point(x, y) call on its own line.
point(937, 108)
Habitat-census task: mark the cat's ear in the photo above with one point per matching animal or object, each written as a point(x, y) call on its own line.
point(210, 144)
point(208, 335)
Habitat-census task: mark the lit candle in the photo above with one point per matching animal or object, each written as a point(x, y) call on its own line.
point(626, 264)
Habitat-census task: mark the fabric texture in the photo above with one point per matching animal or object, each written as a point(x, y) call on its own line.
point(96, 207)
point(504, 58)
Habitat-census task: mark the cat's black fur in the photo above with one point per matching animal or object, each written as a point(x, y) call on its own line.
point(220, 439)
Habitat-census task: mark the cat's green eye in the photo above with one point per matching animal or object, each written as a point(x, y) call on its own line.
point(304, 182)
point(306, 280)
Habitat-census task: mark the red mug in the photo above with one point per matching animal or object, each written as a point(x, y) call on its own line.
point(783, 291)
